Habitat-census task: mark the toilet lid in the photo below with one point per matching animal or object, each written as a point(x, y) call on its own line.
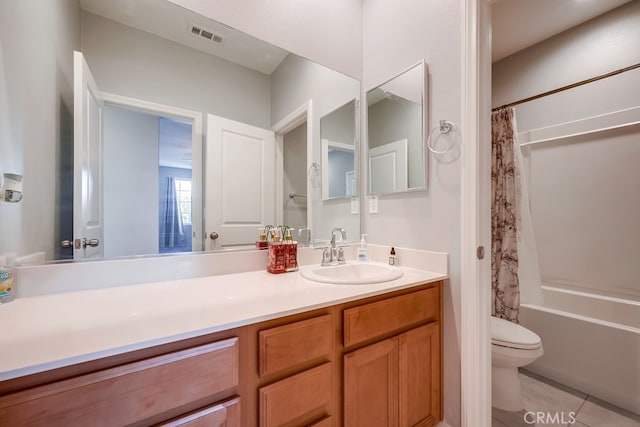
point(508, 334)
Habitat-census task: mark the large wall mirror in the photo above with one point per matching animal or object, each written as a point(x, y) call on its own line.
point(339, 152)
point(186, 155)
point(396, 117)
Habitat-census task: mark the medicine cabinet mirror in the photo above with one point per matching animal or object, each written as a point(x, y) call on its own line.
point(339, 152)
point(183, 179)
point(396, 117)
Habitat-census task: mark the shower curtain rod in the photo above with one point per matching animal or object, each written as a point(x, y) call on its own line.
point(571, 86)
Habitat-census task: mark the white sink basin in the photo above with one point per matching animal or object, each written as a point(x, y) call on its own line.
point(352, 273)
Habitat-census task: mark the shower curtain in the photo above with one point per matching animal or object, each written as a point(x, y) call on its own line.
point(514, 262)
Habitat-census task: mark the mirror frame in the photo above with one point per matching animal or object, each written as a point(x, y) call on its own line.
point(423, 132)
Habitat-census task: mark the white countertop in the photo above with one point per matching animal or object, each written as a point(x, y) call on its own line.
point(51, 331)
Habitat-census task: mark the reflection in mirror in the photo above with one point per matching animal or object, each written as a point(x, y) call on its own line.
point(396, 114)
point(339, 159)
point(153, 53)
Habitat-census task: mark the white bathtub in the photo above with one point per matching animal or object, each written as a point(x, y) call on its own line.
point(591, 343)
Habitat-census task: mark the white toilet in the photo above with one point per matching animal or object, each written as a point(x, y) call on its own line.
point(512, 346)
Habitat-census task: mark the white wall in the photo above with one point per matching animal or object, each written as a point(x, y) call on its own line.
point(295, 176)
point(293, 83)
point(397, 35)
point(340, 163)
point(325, 31)
point(130, 183)
point(584, 190)
point(340, 126)
point(130, 62)
point(596, 47)
point(36, 108)
point(585, 205)
point(393, 120)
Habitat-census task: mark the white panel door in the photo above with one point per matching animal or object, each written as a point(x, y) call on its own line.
point(388, 170)
point(239, 182)
point(88, 227)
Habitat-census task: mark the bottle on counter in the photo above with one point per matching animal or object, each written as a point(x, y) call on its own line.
point(291, 251)
point(276, 263)
point(363, 255)
point(262, 242)
point(392, 257)
point(7, 280)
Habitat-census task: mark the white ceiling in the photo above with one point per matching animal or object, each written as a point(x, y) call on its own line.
point(172, 22)
point(518, 24)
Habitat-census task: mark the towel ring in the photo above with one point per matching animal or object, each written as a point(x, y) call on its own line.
point(445, 127)
point(313, 174)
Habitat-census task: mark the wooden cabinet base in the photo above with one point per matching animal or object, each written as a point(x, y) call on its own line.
point(375, 361)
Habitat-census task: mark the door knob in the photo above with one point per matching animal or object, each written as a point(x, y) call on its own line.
point(213, 235)
point(91, 242)
point(66, 244)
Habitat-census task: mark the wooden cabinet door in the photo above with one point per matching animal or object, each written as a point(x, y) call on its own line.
point(371, 385)
point(419, 370)
point(298, 400)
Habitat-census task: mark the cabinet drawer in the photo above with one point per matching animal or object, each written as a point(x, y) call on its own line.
point(128, 393)
point(297, 400)
point(386, 316)
point(225, 414)
point(290, 345)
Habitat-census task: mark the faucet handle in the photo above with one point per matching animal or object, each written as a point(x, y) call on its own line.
point(341, 255)
point(326, 256)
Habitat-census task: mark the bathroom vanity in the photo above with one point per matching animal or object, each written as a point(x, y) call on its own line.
point(268, 351)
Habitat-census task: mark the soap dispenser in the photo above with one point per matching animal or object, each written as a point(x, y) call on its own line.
point(363, 255)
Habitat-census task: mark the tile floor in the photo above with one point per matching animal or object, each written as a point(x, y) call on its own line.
point(562, 406)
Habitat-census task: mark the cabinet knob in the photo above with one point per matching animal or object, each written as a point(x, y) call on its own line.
point(213, 235)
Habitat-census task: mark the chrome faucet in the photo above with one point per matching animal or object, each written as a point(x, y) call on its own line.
point(343, 234)
point(335, 254)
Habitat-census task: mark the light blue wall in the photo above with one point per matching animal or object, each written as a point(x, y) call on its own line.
point(130, 179)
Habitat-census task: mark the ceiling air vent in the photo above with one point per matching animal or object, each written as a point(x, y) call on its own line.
point(198, 31)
